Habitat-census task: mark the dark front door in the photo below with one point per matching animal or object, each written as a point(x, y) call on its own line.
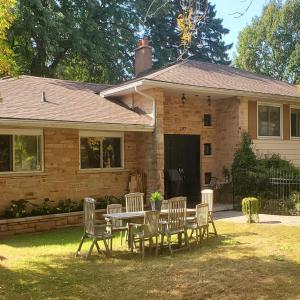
point(182, 166)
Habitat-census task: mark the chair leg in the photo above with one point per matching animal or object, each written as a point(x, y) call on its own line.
point(162, 241)
point(214, 227)
point(197, 236)
point(186, 239)
point(91, 248)
point(143, 247)
point(106, 247)
point(169, 244)
point(156, 245)
point(122, 232)
point(80, 245)
point(98, 247)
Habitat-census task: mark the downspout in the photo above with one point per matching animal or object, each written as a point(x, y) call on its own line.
point(153, 104)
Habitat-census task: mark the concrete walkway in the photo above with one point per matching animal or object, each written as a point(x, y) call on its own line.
point(238, 217)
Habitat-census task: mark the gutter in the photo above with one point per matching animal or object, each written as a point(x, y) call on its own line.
point(153, 115)
point(75, 125)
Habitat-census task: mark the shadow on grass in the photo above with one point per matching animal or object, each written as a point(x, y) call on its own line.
point(195, 275)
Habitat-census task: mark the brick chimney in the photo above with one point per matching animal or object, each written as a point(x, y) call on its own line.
point(143, 57)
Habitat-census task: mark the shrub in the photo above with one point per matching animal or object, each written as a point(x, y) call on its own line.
point(250, 208)
point(17, 209)
point(156, 196)
point(294, 201)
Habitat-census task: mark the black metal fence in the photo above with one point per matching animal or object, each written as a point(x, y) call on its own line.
point(274, 188)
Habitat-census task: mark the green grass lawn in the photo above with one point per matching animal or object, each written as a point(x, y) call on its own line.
point(244, 262)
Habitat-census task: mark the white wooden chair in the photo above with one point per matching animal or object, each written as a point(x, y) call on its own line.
point(116, 225)
point(146, 231)
point(92, 230)
point(176, 222)
point(208, 197)
point(200, 224)
point(134, 202)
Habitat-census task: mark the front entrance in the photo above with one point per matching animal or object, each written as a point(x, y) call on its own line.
point(182, 167)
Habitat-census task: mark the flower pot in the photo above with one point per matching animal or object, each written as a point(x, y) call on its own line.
point(156, 205)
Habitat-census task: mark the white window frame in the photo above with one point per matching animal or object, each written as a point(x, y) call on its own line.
point(293, 137)
point(281, 120)
point(102, 134)
point(24, 132)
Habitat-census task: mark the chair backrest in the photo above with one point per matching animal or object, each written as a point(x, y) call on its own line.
point(164, 205)
point(177, 213)
point(89, 215)
point(134, 202)
point(112, 209)
point(202, 214)
point(151, 222)
point(208, 197)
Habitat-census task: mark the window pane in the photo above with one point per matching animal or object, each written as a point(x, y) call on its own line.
point(111, 153)
point(27, 153)
point(268, 121)
point(5, 153)
point(295, 122)
point(90, 152)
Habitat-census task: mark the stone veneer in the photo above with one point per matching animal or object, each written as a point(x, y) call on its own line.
point(42, 223)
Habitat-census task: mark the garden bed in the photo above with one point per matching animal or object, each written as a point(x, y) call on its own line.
point(42, 223)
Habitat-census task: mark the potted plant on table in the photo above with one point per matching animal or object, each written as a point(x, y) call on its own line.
point(156, 200)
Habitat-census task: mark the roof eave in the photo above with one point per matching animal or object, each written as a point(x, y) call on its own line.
point(148, 83)
point(75, 125)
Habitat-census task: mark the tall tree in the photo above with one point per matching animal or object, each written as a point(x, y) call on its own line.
point(7, 63)
point(84, 40)
point(161, 26)
point(270, 45)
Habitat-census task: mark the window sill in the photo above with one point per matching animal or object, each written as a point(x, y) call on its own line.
point(95, 171)
point(22, 174)
point(270, 138)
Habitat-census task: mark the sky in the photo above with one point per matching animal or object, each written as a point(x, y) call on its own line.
point(224, 10)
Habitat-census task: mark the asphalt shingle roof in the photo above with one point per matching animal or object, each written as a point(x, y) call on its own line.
point(217, 76)
point(210, 75)
point(66, 101)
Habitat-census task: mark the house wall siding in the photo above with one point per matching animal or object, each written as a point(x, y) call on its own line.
point(286, 147)
point(62, 178)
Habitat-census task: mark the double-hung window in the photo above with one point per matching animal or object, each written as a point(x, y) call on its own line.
point(295, 122)
point(269, 120)
point(20, 150)
point(101, 150)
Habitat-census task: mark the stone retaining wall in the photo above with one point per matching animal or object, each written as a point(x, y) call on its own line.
point(42, 223)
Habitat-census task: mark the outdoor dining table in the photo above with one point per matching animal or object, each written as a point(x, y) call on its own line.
point(137, 216)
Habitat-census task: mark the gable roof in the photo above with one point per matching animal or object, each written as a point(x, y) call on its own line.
point(66, 101)
point(219, 77)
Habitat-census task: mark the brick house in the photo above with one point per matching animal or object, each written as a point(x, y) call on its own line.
point(61, 139)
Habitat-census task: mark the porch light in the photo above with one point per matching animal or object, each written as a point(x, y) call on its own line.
point(208, 100)
point(183, 99)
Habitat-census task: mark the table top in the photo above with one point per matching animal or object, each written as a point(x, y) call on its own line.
point(139, 214)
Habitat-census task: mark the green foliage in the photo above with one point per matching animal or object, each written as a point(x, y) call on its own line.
point(295, 201)
point(270, 45)
point(244, 157)
point(251, 174)
point(23, 208)
point(102, 202)
point(94, 40)
point(17, 209)
point(156, 196)
point(250, 208)
point(80, 40)
point(161, 27)
point(7, 62)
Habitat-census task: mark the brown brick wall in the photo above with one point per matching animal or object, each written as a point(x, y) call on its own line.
point(62, 178)
point(188, 119)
